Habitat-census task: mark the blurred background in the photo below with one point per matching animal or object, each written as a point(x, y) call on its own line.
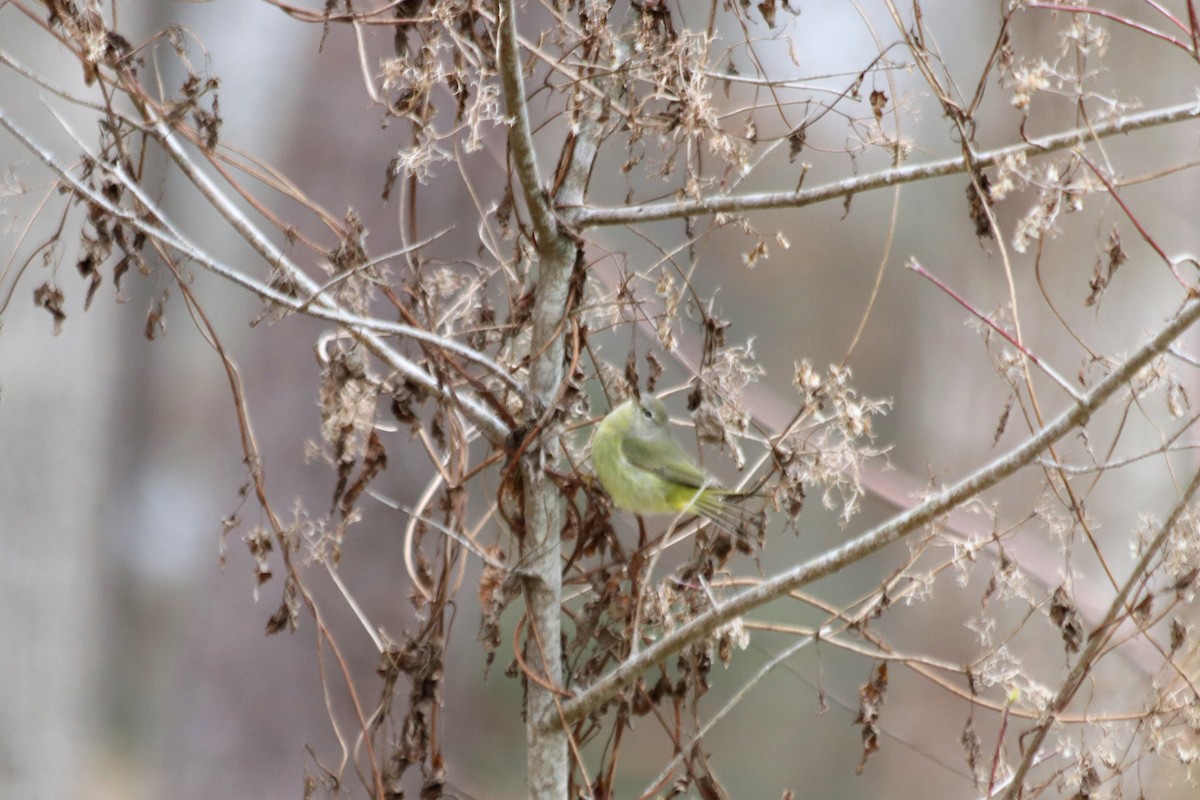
point(136, 664)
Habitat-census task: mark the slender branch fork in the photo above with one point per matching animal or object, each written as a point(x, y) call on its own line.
point(586, 217)
point(878, 538)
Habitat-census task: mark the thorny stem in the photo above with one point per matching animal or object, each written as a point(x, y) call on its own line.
point(876, 539)
point(592, 216)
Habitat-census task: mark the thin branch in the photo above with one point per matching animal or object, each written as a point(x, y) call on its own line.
point(1089, 469)
point(1146, 237)
point(343, 276)
point(480, 414)
point(253, 460)
point(586, 217)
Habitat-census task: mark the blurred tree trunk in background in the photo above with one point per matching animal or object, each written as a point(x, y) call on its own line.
point(57, 400)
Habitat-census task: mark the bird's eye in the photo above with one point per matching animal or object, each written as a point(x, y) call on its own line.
point(647, 413)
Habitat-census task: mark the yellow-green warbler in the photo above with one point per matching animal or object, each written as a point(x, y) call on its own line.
point(644, 469)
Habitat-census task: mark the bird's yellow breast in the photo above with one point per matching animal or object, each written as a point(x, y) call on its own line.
point(630, 487)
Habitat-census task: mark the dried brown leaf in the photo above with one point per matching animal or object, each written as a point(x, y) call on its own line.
point(1065, 617)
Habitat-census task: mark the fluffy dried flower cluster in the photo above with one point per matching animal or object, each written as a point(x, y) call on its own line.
point(832, 440)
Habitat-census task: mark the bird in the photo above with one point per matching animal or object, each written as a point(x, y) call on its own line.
point(644, 469)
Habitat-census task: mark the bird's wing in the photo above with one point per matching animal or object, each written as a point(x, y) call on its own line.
point(663, 456)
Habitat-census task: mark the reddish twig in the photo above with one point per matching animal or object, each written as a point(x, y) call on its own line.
point(1129, 23)
point(1045, 368)
point(1112, 191)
